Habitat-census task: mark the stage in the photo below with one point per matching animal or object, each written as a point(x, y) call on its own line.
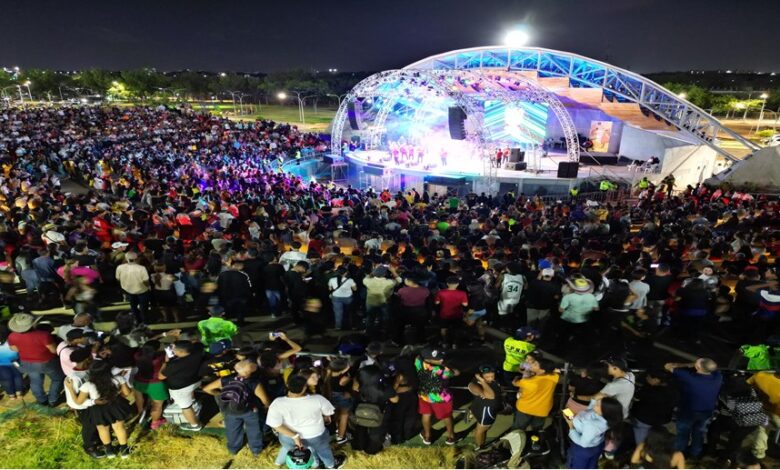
point(378, 169)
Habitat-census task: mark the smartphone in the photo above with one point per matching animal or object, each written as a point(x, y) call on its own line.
point(274, 335)
point(569, 414)
point(318, 363)
point(654, 265)
point(169, 351)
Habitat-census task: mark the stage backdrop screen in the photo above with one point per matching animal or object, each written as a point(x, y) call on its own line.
point(517, 123)
point(600, 133)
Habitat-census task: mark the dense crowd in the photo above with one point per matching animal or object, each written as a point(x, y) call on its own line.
point(189, 218)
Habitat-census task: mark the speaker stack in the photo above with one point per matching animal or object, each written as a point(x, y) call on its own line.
point(352, 116)
point(456, 119)
point(568, 169)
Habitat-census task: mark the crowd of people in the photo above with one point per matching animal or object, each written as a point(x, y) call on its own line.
point(188, 218)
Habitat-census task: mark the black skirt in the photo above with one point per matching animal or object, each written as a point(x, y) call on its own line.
point(110, 413)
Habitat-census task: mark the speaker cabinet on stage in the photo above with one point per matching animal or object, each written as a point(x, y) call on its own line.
point(457, 118)
point(568, 169)
point(516, 155)
point(520, 166)
point(353, 123)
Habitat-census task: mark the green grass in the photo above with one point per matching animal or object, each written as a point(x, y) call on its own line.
point(32, 437)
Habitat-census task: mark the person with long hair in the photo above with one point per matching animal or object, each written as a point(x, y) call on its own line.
point(341, 287)
point(338, 384)
point(111, 407)
point(164, 295)
point(657, 451)
point(589, 429)
point(149, 359)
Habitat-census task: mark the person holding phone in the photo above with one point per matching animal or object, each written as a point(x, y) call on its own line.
point(487, 402)
point(589, 429)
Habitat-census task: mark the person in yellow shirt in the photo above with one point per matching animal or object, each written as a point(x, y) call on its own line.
point(535, 393)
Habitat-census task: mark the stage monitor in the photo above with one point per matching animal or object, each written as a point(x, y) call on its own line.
point(516, 155)
point(568, 169)
point(457, 117)
point(352, 115)
point(516, 124)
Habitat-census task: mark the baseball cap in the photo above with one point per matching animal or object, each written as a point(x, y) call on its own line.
point(526, 331)
point(432, 354)
point(618, 362)
point(486, 369)
point(548, 272)
point(220, 346)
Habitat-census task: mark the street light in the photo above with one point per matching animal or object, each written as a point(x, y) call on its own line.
point(27, 85)
point(338, 97)
point(281, 95)
point(516, 38)
point(682, 95)
point(763, 97)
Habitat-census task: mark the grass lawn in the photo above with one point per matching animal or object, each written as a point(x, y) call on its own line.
point(318, 122)
point(32, 437)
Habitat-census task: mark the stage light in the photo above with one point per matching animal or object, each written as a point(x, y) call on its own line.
point(516, 38)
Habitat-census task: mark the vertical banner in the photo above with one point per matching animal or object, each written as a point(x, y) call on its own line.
point(600, 133)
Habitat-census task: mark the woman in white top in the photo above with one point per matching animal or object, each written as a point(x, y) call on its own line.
point(110, 408)
point(341, 288)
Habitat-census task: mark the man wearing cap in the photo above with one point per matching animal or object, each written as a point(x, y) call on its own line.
point(134, 280)
point(516, 348)
point(75, 339)
point(220, 361)
point(433, 396)
point(37, 356)
point(575, 309)
point(700, 384)
point(622, 386)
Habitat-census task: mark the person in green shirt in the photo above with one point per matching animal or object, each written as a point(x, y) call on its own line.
point(454, 202)
point(216, 328)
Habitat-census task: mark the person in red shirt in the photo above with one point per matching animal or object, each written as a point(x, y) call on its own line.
point(37, 357)
point(451, 302)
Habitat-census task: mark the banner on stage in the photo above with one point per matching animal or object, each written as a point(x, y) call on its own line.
point(600, 133)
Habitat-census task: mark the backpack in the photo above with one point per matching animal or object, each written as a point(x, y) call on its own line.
point(749, 411)
point(235, 397)
point(368, 415)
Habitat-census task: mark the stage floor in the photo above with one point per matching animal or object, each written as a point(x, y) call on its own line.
point(546, 168)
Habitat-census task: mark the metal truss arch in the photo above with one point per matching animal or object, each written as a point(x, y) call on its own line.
point(617, 84)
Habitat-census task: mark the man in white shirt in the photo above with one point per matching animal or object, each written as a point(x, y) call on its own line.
point(134, 280)
point(300, 421)
point(82, 358)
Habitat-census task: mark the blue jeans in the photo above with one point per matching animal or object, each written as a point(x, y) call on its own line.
point(583, 457)
point(274, 298)
point(641, 430)
point(36, 371)
point(319, 447)
point(691, 426)
point(139, 305)
point(238, 425)
point(11, 380)
point(340, 304)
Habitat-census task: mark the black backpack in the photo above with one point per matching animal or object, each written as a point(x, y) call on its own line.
point(235, 397)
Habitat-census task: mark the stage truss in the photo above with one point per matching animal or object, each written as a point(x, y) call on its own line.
point(466, 88)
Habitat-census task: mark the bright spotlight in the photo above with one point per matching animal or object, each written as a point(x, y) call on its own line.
point(764, 96)
point(516, 38)
point(682, 95)
point(281, 95)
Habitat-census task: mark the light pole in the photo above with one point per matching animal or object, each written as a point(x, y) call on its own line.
point(764, 96)
point(338, 97)
point(27, 85)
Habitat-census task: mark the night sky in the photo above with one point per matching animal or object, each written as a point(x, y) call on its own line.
point(369, 35)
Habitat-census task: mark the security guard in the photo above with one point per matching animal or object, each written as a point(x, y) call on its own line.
point(574, 191)
point(605, 185)
point(643, 183)
point(516, 348)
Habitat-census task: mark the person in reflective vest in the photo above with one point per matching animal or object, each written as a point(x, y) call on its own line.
point(644, 183)
point(516, 348)
point(573, 192)
point(605, 185)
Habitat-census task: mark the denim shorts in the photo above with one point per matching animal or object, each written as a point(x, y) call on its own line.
point(338, 401)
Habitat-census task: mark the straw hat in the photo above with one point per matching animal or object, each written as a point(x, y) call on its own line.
point(581, 285)
point(21, 323)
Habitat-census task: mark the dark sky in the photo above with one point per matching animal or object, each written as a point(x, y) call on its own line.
point(263, 35)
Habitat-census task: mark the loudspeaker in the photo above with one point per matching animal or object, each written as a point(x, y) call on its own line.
point(457, 117)
point(353, 123)
point(520, 166)
point(516, 155)
point(568, 169)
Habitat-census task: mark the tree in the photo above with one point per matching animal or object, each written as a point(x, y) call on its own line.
point(95, 79)
point(142, 83)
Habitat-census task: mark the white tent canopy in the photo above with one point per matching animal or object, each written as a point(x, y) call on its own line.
point(759, 171)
